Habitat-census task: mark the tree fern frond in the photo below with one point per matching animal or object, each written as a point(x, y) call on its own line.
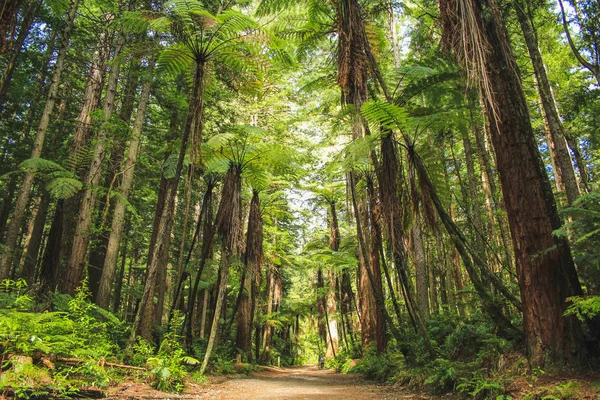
point(169, 167)
point(268, 7)
point(175, 59)
point(63, 188)
point(384, 114)
point(40, 164)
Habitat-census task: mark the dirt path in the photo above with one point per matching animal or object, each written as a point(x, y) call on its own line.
point(299, 383)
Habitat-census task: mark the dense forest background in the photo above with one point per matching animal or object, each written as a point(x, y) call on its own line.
point(189, 186)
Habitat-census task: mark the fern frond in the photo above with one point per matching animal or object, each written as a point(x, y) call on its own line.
point(63, 188)
point(175, 59)
point(40, 165)
point(384, 114)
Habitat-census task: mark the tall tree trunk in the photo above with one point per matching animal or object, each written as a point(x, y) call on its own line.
point(7, 200)
point(30, 258)
point(563, 161)
point(375, 264)
point(14, 226)
point(118, 220)
point(112, 180)
point(265, 354)
point(48, 270)
point(253, 263)
point(8, 21)
point(228, 225)
point(81, 240)
point(473, 199)
point(421, 277)
point(545, 269)
point(208, 232)
point(388, 187)
point(121, 274)
point(196, 105)
point(495, 202)
point(30, 13)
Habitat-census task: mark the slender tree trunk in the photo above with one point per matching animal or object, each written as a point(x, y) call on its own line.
point(267, 328)
point(253, 262)
point(562, 157)
point(5, 79)
point(228, 223)
point(49, 268)
point(388, 187)
point(121, 274)
point(112, 179)
point(163, 231)
point(204, 302)
point(7, 200)
point(330, 317)
point(473, 199)
point(421, 277)
point(8, 22)
point(76, 263)
point(378, 294)
point(14, 226)
point(118, 220)
point(493, 195)
point(208, 233)
point(545, 269)
point(30, 258)
point(375, 264)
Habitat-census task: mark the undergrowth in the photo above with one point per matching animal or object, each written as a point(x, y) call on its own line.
point(62, 350)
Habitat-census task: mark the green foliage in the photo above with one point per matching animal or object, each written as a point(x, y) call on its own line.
point(583, 229)
point(443, 375)
point(379, 367)
point(480, 387)
point(168, 368)
point(584, 308)
point(77, 329)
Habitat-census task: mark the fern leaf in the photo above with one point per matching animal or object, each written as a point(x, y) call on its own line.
point(63, 188)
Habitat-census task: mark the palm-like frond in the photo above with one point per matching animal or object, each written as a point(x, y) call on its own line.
point(64, 187)
point(384, 114)
point(175, 59)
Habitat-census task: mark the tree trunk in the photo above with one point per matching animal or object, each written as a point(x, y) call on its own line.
point(81, 240)
point(473, 199)
point(121, 274)
point(30, 258)
point(14, 226)
point(208, 232)
point(545, 269)
point(375, 264)
point(8, 22)
point(30, 13)
point(195, 110)
point(253, 262)
point(111, 181)
point(118, 220)
point(562, 157)
point(494, 197)
point(388, 187)
point(228, 225)
point(50, 261)
point(7, 199)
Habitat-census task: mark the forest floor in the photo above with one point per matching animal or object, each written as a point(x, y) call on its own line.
point(308, 382)
point(294, 383)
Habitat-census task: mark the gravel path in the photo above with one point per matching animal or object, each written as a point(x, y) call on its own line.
point(299, 383)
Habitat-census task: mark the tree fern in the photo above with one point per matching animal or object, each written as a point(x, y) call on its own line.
point(384, 114)
point(63, 188)
point(40, 165)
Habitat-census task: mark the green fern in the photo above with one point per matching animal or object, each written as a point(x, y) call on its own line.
point(40, 165)
point(63, 188)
